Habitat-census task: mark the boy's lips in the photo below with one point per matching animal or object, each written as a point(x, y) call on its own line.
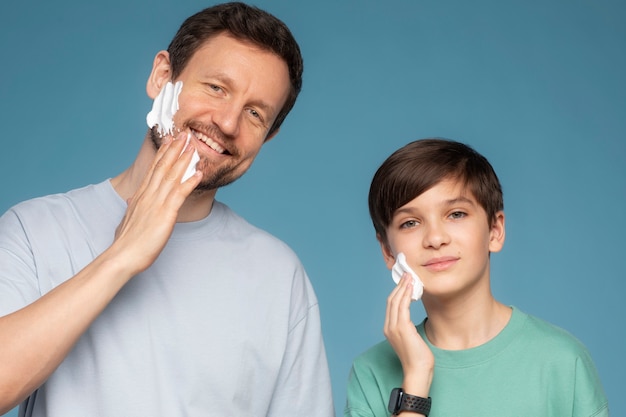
point(441, 263)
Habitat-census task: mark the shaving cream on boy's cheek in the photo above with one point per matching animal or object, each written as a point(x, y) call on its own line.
point(164, 107)
point(399, 268)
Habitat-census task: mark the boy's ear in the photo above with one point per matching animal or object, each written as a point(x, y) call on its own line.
point(159, 76)
point(388, 255)
point(497, 233)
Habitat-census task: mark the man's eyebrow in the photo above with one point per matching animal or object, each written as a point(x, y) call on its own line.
point(228, 81)
point(265, 107)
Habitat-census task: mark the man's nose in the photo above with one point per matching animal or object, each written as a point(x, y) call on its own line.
point(228, 117)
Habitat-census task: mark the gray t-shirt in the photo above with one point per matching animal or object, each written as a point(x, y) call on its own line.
point(225, 322)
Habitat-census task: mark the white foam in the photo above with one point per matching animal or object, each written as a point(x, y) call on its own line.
point(399, 268)
point(164, 108)
point(191, 168)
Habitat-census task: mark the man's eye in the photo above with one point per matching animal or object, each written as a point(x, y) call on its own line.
point(258, 118)
point(214, 87)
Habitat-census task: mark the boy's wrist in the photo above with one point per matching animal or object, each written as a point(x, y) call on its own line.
point(418, 382)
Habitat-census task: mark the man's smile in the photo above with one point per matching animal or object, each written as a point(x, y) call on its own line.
point(210, 142)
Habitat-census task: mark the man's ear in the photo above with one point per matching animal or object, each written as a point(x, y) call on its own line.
point(497, 233)
point(160, 75)
point(388, 255)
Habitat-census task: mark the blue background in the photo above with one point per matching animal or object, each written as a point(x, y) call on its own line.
point(538, 87)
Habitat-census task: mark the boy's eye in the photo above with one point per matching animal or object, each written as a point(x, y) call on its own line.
point(458, 215)
point(409, 224)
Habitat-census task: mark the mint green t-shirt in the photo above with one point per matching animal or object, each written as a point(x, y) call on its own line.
point(531, 368)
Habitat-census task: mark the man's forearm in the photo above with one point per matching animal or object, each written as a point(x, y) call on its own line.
point(35, 339)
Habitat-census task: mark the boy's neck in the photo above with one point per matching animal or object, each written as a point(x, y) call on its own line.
point(464, 325)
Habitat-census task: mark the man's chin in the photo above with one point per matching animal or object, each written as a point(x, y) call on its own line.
point(218, 181)
point(222, 177)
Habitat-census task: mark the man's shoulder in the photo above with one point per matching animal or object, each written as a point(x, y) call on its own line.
point(236, 225)
point(41, 214)
point(57, 201)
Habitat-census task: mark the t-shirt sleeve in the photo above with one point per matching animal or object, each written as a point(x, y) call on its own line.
point(589, 397)
point(303, 387)
point(357, 404)
point(18, 279)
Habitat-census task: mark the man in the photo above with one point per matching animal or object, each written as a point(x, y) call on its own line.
point(439, 204)
point(143, 295)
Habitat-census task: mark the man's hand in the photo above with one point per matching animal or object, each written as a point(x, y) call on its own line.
point(153, 209)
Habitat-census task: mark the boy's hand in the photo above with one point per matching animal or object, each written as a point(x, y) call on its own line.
point(417, 360)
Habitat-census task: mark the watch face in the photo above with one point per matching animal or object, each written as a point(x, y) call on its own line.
point(394, 400)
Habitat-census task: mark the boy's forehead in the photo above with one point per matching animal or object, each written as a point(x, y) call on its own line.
point(451, 188)
point(448, 191)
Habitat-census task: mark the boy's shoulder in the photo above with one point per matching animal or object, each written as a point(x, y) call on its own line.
point(379, 356)
point(381, 349)
point(377, 369)
point(542, 337)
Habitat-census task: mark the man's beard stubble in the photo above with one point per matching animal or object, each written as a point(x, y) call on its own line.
point(219, 178)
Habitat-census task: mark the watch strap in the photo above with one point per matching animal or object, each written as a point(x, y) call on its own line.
point(415, 404)
point(408, 402)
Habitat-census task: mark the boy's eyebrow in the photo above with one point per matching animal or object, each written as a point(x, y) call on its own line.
point(460, 199)
point(446, 203)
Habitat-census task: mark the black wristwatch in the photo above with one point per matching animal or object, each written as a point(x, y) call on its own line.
point(401, 401)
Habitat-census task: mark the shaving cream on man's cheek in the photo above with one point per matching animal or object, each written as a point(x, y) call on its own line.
point(399, 268)
point(164, 108)
point(191, 168)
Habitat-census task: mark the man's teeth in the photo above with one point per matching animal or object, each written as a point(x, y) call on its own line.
point(210, 143)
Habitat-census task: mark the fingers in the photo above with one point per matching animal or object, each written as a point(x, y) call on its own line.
point(399, 329)
point(398, 304)
point(162, 187)
point(414, 354)
point(170, 163)
point(153, 209)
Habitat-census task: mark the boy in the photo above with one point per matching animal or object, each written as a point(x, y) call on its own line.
point(440, 203)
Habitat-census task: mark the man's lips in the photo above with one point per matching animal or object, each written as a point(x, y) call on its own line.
point(440, 264)
point(212, 144)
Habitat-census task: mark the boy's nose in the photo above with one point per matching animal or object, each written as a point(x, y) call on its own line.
point(435, 236)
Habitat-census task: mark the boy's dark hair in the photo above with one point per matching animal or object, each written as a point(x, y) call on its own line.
point(420, 165)
point(246, 23)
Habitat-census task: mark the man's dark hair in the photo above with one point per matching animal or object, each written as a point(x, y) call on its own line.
point(246, 23)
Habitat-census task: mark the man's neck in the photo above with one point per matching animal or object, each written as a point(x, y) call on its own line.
point(196, 207)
